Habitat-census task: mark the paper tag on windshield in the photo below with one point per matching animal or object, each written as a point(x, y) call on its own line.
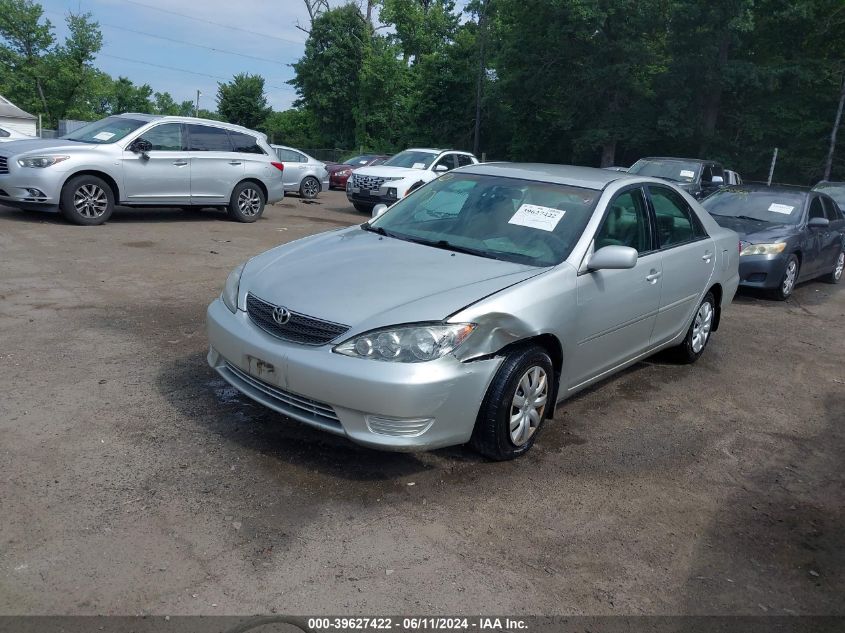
point(418, 166)
point(686, 173)
point(537, 217)
point(781, 208)
point(103, 136)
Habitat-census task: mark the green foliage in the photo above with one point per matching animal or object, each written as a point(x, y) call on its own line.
point(296, 127)
point(242, 101)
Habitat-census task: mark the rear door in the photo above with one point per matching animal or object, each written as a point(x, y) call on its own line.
point(688, 260)
point(617, 308)
point(215, 168)
point(294, 163)
point(833, 240)
point(163, 175)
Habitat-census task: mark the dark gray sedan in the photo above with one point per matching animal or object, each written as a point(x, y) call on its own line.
point(788, 234)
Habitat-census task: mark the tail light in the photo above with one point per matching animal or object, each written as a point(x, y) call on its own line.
point(279, 166)
point(740, 246)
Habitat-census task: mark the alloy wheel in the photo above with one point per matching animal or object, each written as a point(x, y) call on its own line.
point(528, 405)
point(90, 201)
point(249, 202)
point(840, 266)
point(310, 188)
point(701, 326)
point(789, 278)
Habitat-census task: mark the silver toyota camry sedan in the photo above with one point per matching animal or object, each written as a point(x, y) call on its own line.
point(466, 311)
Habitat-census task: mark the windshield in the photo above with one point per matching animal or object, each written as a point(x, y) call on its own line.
point(412, 158)
point(108, 130)
point(668, 169)
point(358, 160)
point(835, 190)
point(521, 221)
point(777, 207)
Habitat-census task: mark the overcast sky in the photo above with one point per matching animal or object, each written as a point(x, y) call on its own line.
point(253, 29)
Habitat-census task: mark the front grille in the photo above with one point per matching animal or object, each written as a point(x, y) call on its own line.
point(300, 329)
point(290, 403)
point(367, 182)
point(4, 165)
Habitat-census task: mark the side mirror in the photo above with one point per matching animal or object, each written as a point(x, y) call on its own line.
point(613, 258)
point(718, 181)
point(140, 146)
point(441, 168)
point(818, 223)
point(379, 209)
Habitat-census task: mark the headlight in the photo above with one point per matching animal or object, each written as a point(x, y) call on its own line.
point(762, 249)
point(41, 161)
point(344, 172)
point(408, 343)
point(230, 290)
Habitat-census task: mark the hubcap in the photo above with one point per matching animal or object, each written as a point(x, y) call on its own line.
point(789, 277)
point(701, 326)
point(90, 201)
point(840, 265)
point(249, 202)
point(310, 188)
point(528, 405)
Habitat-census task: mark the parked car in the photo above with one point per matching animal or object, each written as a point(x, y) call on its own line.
point(339, 172)
point(788, 235)
point(303, 174)
point(732, 178)
point(466, 311)
point(142, 160)
point(615, 168)
point(8, 134)
point(697, 177)
point(400, 175)
point(835, 190)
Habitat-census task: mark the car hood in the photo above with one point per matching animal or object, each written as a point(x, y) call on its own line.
point(336, 167)
point(42, 144)
point(365, 280)
point(385, 171)
point(755, 232)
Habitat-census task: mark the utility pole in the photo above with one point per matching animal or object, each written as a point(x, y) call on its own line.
point(479, 81)
point(834, 131)
point(197, 106)
point(772, 168)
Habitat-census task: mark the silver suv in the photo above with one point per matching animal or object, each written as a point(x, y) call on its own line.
point(142, 160)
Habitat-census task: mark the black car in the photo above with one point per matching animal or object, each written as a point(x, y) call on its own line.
point(698, 177)
point(787, 234)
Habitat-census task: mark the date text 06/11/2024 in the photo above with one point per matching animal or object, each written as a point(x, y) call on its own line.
point(417, 623)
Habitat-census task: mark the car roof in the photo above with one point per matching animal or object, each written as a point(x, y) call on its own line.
point(679, 158)
point(768, 188)
point(432, 150)
point(586, 177)
point(188, 119)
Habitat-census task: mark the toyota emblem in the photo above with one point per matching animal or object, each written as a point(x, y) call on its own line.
point(281, 315)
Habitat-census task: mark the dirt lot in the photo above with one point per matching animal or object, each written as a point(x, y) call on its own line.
point(132, 480)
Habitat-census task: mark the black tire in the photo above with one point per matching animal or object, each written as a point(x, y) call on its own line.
point(784, 289)
point(247, 202)
point(688, 351)
point(835, 275)
point(87, 200)
point(363, 208)
point(309, 187)
point(492, 435)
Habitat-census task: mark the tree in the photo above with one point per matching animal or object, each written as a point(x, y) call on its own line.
point(242, 101)
point(296, 127)
point(127, 97)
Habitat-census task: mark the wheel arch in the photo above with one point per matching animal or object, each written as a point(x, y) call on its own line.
point(256, 181)
point(109, 180)
point(553, 348)
point(717, 291)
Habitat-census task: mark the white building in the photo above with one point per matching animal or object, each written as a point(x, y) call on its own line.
point(13, 119)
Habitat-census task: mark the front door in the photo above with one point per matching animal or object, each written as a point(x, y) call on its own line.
point(163, 175)
point(215, 168)
point(617, 308)
point(813, 247)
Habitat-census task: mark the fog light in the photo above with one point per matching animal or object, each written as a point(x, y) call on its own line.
point(36, 193)
point(398, 427)
point(391, 192)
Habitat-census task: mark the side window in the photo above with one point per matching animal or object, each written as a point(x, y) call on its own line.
point(245, 144)
point(718, 171)
point(830, 209)
point(205, 138)
point(448, 160)
point(706, 173)
point(464, 160)
point(816, 210)
point(302, 158)
point(287, 155)
point(676, 222)
point(626, 223)
point(166, 137)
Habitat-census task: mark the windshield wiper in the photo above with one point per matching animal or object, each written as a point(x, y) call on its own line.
point(448, 246)
point(748, 217)
point(376, 229)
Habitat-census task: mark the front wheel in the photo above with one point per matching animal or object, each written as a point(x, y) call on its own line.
point(787, 282)
point(699, 331)
point(246, 203)
point(363, 208)
point(87, 200)
point(309, 188)
point(834, 276)
point(515, 405)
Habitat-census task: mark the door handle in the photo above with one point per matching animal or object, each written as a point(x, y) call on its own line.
point(653, 277)
point(234, 162)
point(707, 257)
point(180, 163)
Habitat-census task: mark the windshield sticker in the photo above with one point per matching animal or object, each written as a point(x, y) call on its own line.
point(418, 166)
point(537, 217)
point(103, 136)
point(686, 173)
point(781, 208)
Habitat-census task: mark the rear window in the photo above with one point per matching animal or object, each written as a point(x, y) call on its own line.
point(669, 169)
point(205, 138)
point(777, 207)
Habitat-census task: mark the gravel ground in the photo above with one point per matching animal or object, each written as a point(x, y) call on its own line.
point(133, 480)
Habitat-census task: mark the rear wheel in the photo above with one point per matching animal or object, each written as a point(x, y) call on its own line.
point(834, 276)
point(787, 282)
point(87, 200)
point(699, 331)
point(309, 188)
point(363, 208)
point(515, 405)
point(246, 203)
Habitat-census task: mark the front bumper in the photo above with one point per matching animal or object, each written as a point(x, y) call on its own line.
point(762, 271)
point(391, 406)
point(28, 188)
